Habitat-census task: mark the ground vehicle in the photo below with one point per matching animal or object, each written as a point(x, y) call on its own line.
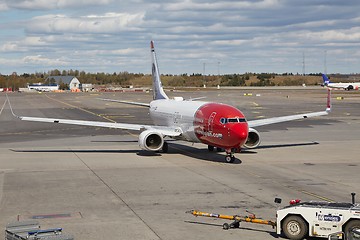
point(318, 219)
point(30, 230)
point(313, 218)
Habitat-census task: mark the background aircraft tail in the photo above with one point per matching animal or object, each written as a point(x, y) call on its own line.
point(325, 79)
point(158, 91)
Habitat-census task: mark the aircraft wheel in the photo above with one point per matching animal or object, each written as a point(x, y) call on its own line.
point(226, 226)
point(229, 159)
point(210, 148)
point(165, 147)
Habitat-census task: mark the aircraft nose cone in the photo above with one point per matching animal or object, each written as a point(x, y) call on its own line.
point(240, 132)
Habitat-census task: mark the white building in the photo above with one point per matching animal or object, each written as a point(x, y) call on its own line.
point(71, 81)
point(42, 87)
point(86, 87)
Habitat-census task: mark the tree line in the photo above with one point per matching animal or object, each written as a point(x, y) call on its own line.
point(124, 79)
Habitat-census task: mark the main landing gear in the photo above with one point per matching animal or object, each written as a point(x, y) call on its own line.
point(165, 147)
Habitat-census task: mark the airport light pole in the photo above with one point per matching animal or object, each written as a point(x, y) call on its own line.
point(325, 68)
point(204, 64)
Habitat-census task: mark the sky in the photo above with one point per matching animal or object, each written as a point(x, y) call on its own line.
point(191, 36)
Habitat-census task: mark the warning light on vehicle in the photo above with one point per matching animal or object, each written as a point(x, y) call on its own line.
point(294, 201)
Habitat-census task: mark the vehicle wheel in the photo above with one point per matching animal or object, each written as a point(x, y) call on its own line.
point(235, 225)
point(353, 224)
point(294, 227)
point(210, 148)
point(165, 147)
point(229, 159)
point(226, 226)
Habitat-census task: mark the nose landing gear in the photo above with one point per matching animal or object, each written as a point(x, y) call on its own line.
point(230, 158)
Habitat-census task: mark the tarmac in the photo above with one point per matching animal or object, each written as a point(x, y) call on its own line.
point(97, 184)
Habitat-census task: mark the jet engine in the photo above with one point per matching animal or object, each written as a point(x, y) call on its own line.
point(151, 140)
point(350, 87)
point(253, 139)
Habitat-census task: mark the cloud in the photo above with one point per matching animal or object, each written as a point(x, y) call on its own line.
point(51, 4)
point(221, 5)
point(39, 59)
point(107, 23)
point(244, 35)
point(348, 35)
point(3, 6)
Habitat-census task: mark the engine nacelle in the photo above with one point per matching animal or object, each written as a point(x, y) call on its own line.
point(253, 139)
point(151, 140)
point(350, 87)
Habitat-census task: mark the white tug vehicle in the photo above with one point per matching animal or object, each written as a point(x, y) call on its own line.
point(299, 220)
point(319, 219)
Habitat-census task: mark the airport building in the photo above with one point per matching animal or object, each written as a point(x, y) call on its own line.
point(71, 81)
point(42, 87)
point(86, 87)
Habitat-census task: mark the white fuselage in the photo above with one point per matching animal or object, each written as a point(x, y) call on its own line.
point(176, 113)
point(355, 85)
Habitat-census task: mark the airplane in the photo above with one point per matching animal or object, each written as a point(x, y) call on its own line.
point(346, 86)
point(214, 124)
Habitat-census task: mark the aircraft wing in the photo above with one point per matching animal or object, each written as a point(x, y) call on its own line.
point(268, 121)
point(166, 131)
point(126, 102)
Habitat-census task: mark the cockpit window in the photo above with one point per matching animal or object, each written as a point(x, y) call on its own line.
point(232, 120)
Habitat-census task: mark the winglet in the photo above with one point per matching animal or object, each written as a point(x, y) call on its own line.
point(328, 103)
point(158, 91)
